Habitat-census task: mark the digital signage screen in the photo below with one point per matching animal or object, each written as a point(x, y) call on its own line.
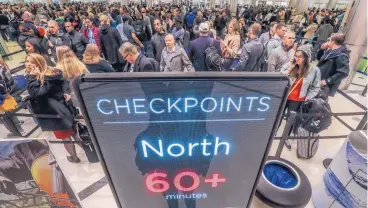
point(196, 140)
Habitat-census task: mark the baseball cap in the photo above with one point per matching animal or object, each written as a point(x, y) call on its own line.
point(204, 27)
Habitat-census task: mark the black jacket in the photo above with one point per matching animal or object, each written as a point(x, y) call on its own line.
point(334, 66)
point(142, 64)
point(100, 67)
point(78, 43)
point(110, 41)
point(49, 99)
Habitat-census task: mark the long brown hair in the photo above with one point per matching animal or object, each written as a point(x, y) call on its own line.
point(236, 27)
point(92, 54)
point(69, 64)
point(41, 64)
point(305, 70)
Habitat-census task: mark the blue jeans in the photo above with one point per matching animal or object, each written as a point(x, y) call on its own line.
point(148, 48)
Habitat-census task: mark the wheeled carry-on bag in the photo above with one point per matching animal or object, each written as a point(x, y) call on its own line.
point(307, 145)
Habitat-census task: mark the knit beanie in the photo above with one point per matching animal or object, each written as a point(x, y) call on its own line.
point(307, 50)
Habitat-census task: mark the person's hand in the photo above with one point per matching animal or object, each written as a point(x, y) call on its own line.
point(47, 32)
point(323, 83)
point(67, 97)
point(324, 46)
point(141, 45)
point(35, 71)
point(7, 186)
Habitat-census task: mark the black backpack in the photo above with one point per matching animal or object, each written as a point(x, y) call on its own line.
point(213, 58)
point(140, 29)
point(315, 115)
point(155, 64)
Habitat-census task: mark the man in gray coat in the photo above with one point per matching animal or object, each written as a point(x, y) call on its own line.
point(275, 41)
point(252, 51)
point(54, 38)
point(283, 54)
point(174, 58)
point(265, 37)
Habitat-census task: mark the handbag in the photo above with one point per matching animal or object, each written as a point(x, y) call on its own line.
point(86, 143)
point(9, 104)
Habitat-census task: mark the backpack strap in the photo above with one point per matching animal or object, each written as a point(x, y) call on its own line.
point(259, 58)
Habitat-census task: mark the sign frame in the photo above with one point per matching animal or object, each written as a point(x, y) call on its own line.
point(175, 76)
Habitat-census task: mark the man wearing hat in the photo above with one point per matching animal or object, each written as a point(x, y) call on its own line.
point(198, 47)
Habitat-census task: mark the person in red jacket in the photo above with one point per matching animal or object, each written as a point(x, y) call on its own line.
point(91, 32)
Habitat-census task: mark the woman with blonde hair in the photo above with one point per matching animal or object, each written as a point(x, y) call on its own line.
point(93, 60)
point(49, 95)
point(68, 63)
point(230, 45)
point(212, 32)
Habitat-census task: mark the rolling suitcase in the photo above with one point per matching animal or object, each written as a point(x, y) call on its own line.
point(306, 146)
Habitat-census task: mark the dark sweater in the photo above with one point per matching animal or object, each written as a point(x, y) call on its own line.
point(100, 67)
point(197, 50)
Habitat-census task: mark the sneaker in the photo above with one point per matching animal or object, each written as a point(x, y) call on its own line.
point(288, 145)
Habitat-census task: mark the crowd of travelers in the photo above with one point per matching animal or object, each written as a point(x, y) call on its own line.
point(65, 41)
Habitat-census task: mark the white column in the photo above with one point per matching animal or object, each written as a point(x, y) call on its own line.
point(293, 3)
point(233, 6)
point(149, 3)
point(356, 37)
point(303, 5)
point(331, 4)
point(124, 2)
point(212, 4)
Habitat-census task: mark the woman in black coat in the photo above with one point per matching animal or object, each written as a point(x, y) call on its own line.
point(93, 60)
point(49, 95)
point(110, 41)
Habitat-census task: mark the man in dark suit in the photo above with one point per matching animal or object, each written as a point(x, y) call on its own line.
point(136, 62)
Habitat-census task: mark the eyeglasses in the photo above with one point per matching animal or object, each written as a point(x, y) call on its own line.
point(126, 56)
point(291, 38)
point(298, 57)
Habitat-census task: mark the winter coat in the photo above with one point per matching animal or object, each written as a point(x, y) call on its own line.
point(310, 30)
point(78, 43)
point(23, 38)
point(158, 45)
point(100, 67)
point(279, 57)
point(334, 66)
point(324, 32)
point(233, 42)
point(110, 41)
point(56, 40)
point(265, 37)
point(190, 19)
point(49, 99)
point(197, 52)
point(142, 64)
point(95, 31)
point(274, 43)
point(175, 61)
point(311, 82)
point(251, 55)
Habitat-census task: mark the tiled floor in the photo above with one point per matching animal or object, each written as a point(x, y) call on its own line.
point(84, 174)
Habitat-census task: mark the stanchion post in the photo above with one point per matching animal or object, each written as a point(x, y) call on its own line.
point(11, 125)
point(285, 134)
point(363, 123)
point(364, 93)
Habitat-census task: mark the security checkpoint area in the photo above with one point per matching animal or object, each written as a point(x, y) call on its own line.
point(184, 139)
